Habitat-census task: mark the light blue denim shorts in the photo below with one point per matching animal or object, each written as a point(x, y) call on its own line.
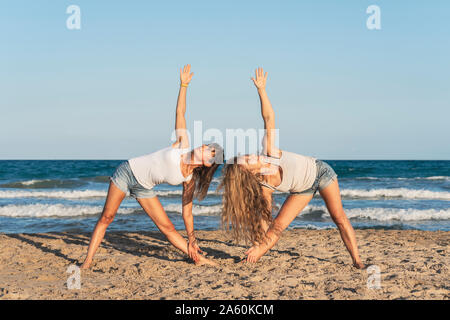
point(325, 175)
point(124, 179)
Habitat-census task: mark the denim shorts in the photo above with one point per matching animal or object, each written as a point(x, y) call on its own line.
point(124, 179)
point(325, 175)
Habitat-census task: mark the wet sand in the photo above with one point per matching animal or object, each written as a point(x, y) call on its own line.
point(305, 264)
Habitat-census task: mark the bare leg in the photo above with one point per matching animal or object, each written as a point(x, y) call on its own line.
point(154, 209)
point(113, 201)
point(291, 207)
point(332, 198)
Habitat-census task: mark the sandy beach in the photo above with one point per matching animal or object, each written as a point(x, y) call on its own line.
point(305, 264)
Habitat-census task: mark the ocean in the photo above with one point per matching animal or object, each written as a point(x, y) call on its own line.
point(39, 196)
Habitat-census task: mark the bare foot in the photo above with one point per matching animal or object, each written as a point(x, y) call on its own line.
point(85, 265)
point(205, 261)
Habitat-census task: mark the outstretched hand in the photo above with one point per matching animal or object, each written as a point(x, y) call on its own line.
point(185, 75)
point(260, 78)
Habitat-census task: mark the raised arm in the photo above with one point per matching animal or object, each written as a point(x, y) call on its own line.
point(267, 113)
point(180, 120)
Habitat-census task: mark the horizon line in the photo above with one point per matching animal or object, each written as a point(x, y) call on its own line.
point(98, 159)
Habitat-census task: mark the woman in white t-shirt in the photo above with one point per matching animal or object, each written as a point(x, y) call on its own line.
point(176, 164)
point(250, 180)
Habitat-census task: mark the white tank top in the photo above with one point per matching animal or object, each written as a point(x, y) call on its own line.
point(299, 172)
point(162, 166)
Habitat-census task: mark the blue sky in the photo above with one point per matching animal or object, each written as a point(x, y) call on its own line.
point(339, 90)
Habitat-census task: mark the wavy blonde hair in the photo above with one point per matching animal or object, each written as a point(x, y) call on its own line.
point(244, 205)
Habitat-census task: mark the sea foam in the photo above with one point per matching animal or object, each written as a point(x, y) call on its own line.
point(396, 193)
point(61, 210)
point(54, 210)
point(77, 194)
point(386, 214)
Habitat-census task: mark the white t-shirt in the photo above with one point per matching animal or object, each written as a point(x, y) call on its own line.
point(162, 166)
point(299, 172)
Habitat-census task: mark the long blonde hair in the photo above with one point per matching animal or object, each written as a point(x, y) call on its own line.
point(244, 205)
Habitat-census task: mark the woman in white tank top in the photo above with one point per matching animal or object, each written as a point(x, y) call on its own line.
point(249, 212)
point(175, 165)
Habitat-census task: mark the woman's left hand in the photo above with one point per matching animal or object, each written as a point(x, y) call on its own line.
point(260, 79)
point(186, 75)
point(254, 254)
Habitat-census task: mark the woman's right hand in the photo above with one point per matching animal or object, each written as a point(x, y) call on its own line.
point(359, 265)
point(254, 253)
point(260, 79)
point(194, 251)
point(85, 265)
